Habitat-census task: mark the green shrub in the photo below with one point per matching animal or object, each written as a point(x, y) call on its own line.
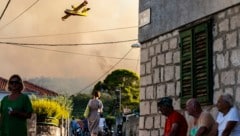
point(51, 110)
point(111, 119)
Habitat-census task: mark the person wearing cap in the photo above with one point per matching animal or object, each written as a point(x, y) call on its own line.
point(176, 124)
point(202, 123)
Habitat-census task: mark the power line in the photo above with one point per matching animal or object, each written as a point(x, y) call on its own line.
point(63, 34)
point(5, 9)
point(18, 15)
point(68, 44)
point(106, 72)
point(75, 53)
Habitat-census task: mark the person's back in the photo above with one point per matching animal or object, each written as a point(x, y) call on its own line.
point(74, 126)
point(102, 124)
point(95, 106)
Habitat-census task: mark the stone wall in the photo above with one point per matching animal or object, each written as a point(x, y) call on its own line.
point(130, 126)
point(166, 15)
point(32, 125)
point(46, 130)
point(35, 129)
point(160, 69)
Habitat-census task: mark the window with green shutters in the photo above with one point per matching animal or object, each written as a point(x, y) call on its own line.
point(196, 64)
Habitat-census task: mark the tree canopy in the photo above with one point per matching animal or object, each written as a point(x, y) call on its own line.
point(124, 81)
point(80, 102)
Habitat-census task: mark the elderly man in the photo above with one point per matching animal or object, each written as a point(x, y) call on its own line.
point(228, 117)
point(175, 124)
point(202, 123)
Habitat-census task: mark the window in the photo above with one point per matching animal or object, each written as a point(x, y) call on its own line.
point(196, 64)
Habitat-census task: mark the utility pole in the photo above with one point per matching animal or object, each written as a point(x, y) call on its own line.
point(119, 90)
point(120, 99)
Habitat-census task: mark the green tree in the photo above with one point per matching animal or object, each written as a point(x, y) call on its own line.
point(128, 82)
point(100, 86)
point(80, 102)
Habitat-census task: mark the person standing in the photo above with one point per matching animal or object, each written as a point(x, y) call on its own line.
point(74, 126)
point(228, 118)
point(96, 107)
point(15, 109)
point(85, 127)
point(202, 123)
point(176, 124)
point(102, 125)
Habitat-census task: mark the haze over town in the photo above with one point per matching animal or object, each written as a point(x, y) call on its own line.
point(67, 68)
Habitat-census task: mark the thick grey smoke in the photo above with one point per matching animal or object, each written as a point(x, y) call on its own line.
point(44, 18)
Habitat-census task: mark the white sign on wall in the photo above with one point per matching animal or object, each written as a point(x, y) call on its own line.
point(144, 17)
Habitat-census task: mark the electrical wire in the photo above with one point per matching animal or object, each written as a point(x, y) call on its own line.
point(63, 34)
point(18, 15)
point(91, 84)
point(29, 45)
point(75, 53)
point(5, 9)
point(68, 44)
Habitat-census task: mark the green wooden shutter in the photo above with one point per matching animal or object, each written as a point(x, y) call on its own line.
point(196, 64)
point(202, 64)
point(186, 66)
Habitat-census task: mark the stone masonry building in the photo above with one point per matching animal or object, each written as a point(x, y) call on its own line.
point(189, 48)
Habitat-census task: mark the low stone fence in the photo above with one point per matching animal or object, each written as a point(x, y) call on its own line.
point(130, 125)
point(35, 129)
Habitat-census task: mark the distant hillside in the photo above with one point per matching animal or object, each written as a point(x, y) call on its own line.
point(61, 85)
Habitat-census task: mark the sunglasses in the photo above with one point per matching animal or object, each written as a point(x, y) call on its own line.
point(14, 82)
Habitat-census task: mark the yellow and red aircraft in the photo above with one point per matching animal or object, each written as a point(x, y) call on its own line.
point(75, 11)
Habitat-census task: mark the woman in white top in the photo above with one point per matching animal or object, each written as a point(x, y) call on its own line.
point(228, 117)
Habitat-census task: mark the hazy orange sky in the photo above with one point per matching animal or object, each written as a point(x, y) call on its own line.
point(42, 24)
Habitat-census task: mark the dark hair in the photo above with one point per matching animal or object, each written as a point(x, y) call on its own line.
point(18, 78)
point(96, 93)
point(165, 101)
